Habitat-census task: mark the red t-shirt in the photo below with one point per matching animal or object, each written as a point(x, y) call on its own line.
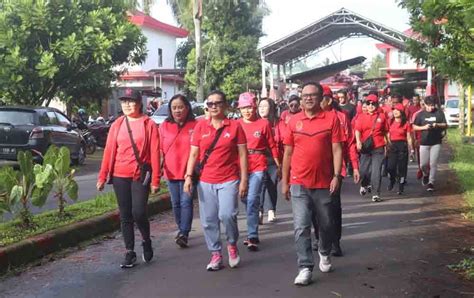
point(175, 144)
point(125, 163)
point(411, 110)
point(259, 137)
point(364, 124)
point(223, 163)
point(312, 139)
point(398, 132)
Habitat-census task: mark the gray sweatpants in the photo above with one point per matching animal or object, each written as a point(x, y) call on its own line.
point(429, 160)
point(218, 204)
point(371, 169)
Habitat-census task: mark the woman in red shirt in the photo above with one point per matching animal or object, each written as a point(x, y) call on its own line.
point(175, 144)
point(258, 133)
point(222, 179)
point(267, 110)
point(373, 123)
point(400, 139)
point(121, 167)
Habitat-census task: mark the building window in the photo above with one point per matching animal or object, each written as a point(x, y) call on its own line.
point(402, 58)
point(160, 57)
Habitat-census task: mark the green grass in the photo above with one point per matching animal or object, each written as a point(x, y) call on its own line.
point(465, 267)
point(12, 231)
point(463, 164)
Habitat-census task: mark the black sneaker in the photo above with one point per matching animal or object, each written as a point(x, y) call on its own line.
point(252, 244)
point(369, 188)
point(425, 181)
point(147, 251)
point(430, 187)
point(130, 259)
point(401, 187)
point(391, 184)
point(182, 241)
point(336, 249)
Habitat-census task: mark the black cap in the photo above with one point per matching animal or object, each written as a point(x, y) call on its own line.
point(129, 93)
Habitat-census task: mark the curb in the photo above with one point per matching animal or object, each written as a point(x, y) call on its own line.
point(41, 245)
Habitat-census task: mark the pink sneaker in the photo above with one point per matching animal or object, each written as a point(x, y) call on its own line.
point(216, 262)
point(234, 258)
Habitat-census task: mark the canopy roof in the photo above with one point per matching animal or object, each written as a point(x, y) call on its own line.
point(339, 25)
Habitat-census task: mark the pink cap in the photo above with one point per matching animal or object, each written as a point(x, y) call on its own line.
point(246, 100)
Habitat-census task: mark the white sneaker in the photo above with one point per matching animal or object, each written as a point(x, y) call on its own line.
point(324, 263)
point(304, 277)
point(362, 191)
point(271, 216)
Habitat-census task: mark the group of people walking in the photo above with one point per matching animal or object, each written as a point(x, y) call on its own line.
point(309, 149)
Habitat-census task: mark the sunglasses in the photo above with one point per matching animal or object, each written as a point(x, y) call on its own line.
point(371, 103)
point(211, 104)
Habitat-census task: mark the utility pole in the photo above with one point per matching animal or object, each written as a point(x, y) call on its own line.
point(197, 17)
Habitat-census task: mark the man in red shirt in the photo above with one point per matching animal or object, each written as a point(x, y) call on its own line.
point(313, 147)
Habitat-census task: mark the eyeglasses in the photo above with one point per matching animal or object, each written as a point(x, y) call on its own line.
point(371, 103)
point(310, 95)
point(211, 104)
point(294, 105)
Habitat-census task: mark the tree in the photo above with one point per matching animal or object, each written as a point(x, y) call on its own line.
point(68, 48)
point(376, 63)
point(230, 34)
point(446, 36)
point(445, 41)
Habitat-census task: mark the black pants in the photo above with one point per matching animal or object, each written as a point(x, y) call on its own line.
point(371, 168)
point(398, 160)
point(336, 216)
point(132, 199)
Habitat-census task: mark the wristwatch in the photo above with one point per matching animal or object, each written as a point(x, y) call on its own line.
point(187, 175)
point(338, 176)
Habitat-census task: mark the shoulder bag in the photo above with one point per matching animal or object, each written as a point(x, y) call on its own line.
point(200, 164)
point(368, 144)
point(145, 168)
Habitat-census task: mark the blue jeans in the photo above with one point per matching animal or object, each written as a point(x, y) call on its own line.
point(252, 203)
point(218, 203)
point(182, 206)
point(304, 202)
point(272, 174)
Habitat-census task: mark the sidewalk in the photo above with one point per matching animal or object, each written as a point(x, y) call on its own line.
point(396, 248)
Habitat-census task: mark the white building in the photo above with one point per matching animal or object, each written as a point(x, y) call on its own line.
point(158, 72)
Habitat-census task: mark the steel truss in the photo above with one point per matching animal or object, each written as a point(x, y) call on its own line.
point(325, 32)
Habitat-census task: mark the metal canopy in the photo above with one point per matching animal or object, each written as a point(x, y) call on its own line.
point(339, 25)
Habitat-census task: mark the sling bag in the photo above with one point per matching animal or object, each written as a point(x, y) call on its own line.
point(200, 165)
point(145, 168)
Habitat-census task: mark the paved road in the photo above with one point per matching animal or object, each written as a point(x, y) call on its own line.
point(397, 248)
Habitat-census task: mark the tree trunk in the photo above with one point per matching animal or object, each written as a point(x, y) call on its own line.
point(197, 16)
point(61, 204)
point(25, 214)
point(462, 101)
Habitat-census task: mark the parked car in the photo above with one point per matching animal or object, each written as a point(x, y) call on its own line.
point(451, 111)
point(161, 114)
point(35, 129)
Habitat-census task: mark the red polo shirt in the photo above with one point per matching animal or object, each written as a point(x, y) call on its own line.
point(312, 139)
point(259, 137)
point(364, 124)
point(175, 144)
point(398, 132)
point(223, 163)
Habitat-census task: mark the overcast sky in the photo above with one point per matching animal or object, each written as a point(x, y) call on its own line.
point(288, 16)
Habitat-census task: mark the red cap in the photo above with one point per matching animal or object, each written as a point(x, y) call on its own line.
point(326, 90)
point(399, 107)
point(372, 98)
